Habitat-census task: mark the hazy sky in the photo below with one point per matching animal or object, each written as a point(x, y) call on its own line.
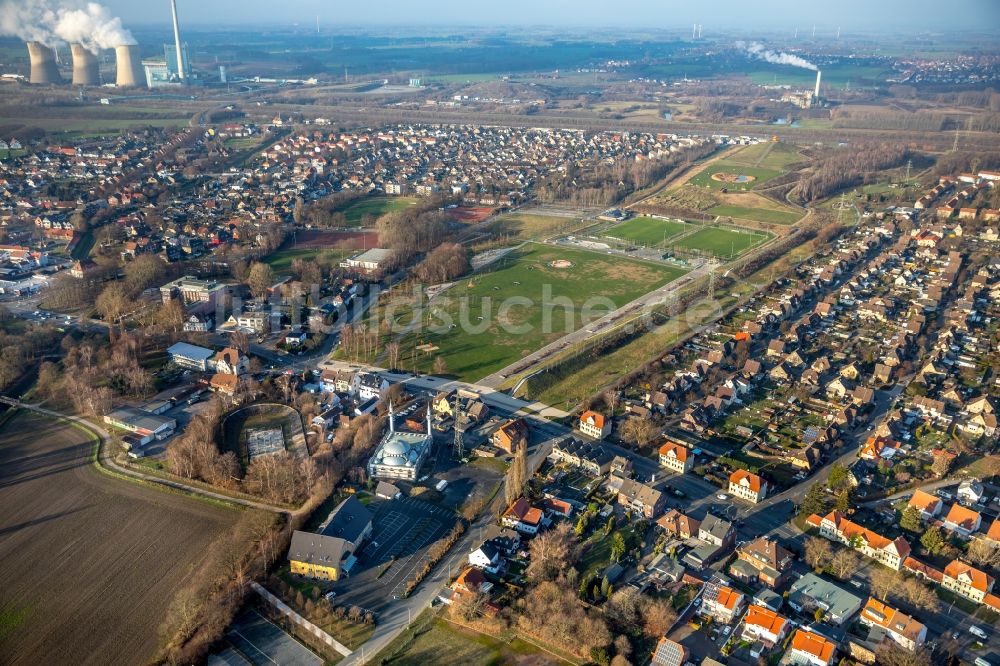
point(827, 15)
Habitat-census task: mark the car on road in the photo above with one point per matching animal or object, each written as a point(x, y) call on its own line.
point(697, 602)
point(978, 632)
point(722, 497)
point(330, 595)
point(726, 631)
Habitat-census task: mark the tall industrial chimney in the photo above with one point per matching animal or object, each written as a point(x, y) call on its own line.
point(181, 74)
point(85, 72)
point(818, 75)
point(43, 64)
point(129, 68)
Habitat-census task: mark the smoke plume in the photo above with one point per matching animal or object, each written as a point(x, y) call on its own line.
point(52, 22)
point(777, 57)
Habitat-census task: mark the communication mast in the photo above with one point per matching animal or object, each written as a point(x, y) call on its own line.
point(459, 446)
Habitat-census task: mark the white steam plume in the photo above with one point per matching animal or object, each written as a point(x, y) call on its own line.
point(93, 26)
point(51, 22)
point(777, 57)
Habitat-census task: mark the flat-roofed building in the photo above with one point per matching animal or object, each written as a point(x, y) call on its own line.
point(146, 425)
point(190, 356)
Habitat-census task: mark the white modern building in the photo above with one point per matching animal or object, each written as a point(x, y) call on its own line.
point(400, 455)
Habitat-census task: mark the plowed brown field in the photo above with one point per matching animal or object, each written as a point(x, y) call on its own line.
point(88, 563)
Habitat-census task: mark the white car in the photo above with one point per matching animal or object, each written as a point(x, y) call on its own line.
point(722, 496)
point(726, 631)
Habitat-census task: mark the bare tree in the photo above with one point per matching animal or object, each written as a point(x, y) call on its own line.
point(884, 581)
point(551, 552)
point(818, 552)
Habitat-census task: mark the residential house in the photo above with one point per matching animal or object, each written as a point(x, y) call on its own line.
point(875, 448)
point(589, 457)
point(717, 531)
point(747, 485)
point(765, 625)
point(676, 457)
point(368, 386)
point(900, 627)
point(524, 518)
point(812, 649)
point(511, 435)
point(962, 521)
point(669, 653)
point(488, 558)
point(594, 425)
point(230, 361)
point(967, 581)
point(637, 497)
point(722, 603)
point(811, 592)
point(470, 581)
point(764, 560)
point(678, 524)
point(970, 492)
point(836, 527)
point(928, 505)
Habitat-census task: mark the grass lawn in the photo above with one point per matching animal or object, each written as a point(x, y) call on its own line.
point(281, 261)
point(647, 231)
point(474, 347)
point(759, 174)
point(723, 242)
point(757, 214)
point(525, 226)
point(356, 210)
point(446, 644)
point(767, 155)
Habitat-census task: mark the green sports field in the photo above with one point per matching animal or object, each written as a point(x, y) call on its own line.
point(509, 329)
point(722, 242)
point(281, 261)
point(760, 175)
point(769, 215)
point(357, 210)
point(647, 231)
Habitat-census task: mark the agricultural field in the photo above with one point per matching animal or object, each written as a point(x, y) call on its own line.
point(722, 242)
point(647, 231)
point(358, 210)
point(77, 544)
point(479, 330)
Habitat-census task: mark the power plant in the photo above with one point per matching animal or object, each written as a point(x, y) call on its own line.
point(85, 69)
point(181, 73)
point(130, 72)
point(43, 64)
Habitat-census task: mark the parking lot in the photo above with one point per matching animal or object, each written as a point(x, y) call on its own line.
point(256, 640)
point(403, 530)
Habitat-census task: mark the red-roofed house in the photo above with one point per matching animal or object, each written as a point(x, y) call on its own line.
point(765, 625)
point(813, 649)
point(836, 527)
point(594, 425)
point(928, 505)
point(723, 604)
point(900, 627)
point(523, 517)
point(967, 581)
point(962, 521)
point(679, 524)
point(747, 485)
point(676, 457)
point(993, 534)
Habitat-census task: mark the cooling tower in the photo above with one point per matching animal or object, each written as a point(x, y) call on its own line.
point(129, 68)
point(84, 67)
point(43, 64)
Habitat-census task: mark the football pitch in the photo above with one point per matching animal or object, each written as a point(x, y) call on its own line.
point(647, 231)
point(722, 242)
point(531, 297)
